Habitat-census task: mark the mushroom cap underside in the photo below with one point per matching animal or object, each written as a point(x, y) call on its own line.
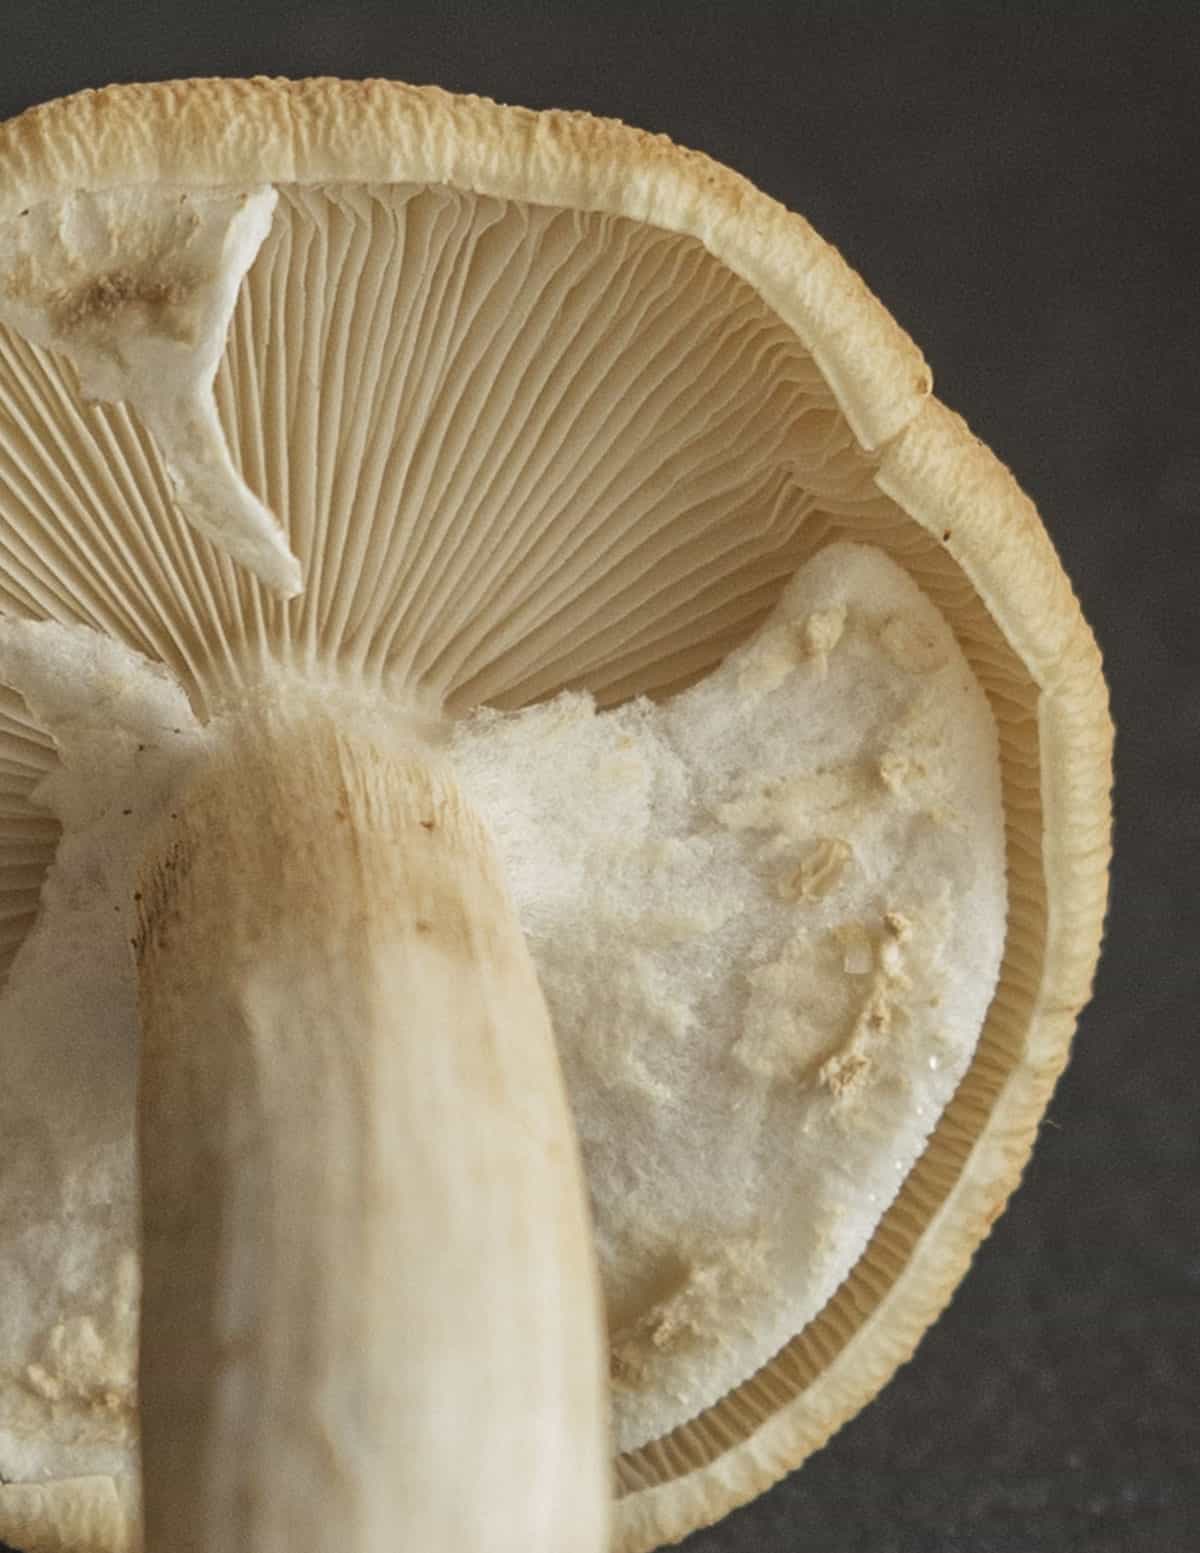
point(542, 402)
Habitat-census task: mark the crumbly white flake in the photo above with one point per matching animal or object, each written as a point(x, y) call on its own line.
point(137, 288)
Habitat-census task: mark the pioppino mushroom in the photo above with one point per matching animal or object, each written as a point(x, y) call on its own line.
point(555, 828)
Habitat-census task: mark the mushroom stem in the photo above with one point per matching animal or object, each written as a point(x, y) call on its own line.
point(370, 1309)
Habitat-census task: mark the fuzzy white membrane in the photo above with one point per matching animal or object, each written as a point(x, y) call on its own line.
point(768, 918)
point(68, 1224)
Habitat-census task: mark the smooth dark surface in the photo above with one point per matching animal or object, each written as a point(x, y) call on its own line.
point(1023, 191)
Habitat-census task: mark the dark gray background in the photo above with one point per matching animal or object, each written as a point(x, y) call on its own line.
point(1021, 186)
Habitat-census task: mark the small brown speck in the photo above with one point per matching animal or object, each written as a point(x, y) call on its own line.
point(819, 873)
point(107, 296)
point(428, 824)
point(423, 926)
point(844, 1072)
point(946, 536)
point(126, 811)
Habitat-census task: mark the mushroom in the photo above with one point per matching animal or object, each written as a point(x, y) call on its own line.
point(484, 591)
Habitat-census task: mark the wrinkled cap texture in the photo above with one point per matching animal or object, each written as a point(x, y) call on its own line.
point(538, 412)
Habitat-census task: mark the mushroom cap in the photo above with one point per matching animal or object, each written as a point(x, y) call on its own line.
point(622, 537)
